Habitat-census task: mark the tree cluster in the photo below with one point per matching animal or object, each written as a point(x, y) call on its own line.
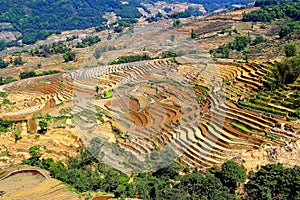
point(4, 45)
point(274, 182)
point(130, 58)
point(37, 19)
point(5, 125)
point(190, 11)
point(6, 80)
point(32, 73)
point(3, 64)
point(88, 41)
point(48, 49)
point(240, 43)
point(288, 70)
point(274, 10)
point(85, 173)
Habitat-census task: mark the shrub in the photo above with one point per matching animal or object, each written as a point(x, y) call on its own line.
point(69, 56)
point(232, 173)
point(288, 70)
point(290, 50)
point(18, 61)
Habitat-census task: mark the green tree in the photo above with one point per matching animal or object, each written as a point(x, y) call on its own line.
point(274, 182)
point(169, 172)
point(176, 22)
point(69, 56)
point(288, 70)
point(35, 153)
point(197, 186)
point(193, 34)
point(290, 50)
point(232, 173)
point(3, 64)
point(28, 74)
point(257, 40)
point(18, 60)
point(44, 126)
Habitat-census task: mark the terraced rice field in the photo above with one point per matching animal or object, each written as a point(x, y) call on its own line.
point(160, 110)
point(36, 183)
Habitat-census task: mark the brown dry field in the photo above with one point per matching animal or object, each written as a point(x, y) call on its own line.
point(25, 182)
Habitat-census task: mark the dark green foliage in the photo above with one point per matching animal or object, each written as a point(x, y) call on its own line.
point(288, 28)
point(69, 56)
point(4, 45)
point(85, 173)
point(288, 70)
point(3, 94)
point(194, 11)
point(224, 50)
point(263, 3)
point(176, 22)
point(3, 64)
point(196, 186)
point(44, 126)
point(130, 58)
point(36, 154)
point(28, 74)
point(239, 44)
point(6, 80)
point(37, 19)
point(128, 11)
point(44, 73)
point(290, 50)
point(259, 39)
point(88, 41)
point(17, 136)
point(32, 73)
point(169, 172)
point(169, 54)
point(18, 60)
point(232, 173)
point(193, 34)
point(274, 182)
point(155, 18)
point(191, 11)
point(5, 125)
point(46, 50)
point(272, 10)
point(177, 15)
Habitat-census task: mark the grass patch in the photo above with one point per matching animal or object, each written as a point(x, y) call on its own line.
point(262, 108)
point(202, 90)
point(43, 82)
point(6, 102)
point(108, 94)
point(3, 94)
point(241, 127)
point(5, 125)
point(60, 104)
point(17, 133)
point(199, 99)
point(271, 136)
